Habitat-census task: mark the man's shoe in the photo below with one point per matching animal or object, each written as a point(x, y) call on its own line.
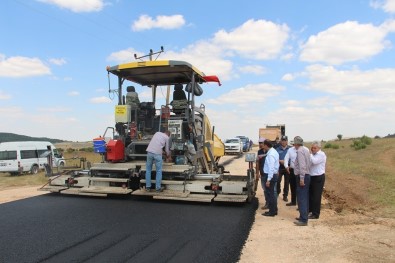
point(297, 218)
point(160, 190)
point(285, 199)
point(313, 217)
point(290, 204)
point(147, 189)
point(265, 207)
point(300, 223)
point(269, 214)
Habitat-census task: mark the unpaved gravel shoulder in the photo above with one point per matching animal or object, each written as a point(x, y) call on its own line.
point(332, 238)
point(13, 194)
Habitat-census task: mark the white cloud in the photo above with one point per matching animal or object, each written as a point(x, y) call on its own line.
point(330, 80)
point(255, 69)
point(54, 109)
point(345, 42)
point(73, 93)
point(123, 56)
point(100, 100)
point(288, 77)
point(206, 57)
point(77, 6)
point(287, 56)
point(146, 22)
point(387, 5)
point(203, 55)
point(251, 93)
point(57, 61)
point(19, 67)
point(4, 96)
point(10, 111)
point(256, 39)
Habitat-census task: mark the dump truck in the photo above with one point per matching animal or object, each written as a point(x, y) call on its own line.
point(271, 132)
point(195, 173)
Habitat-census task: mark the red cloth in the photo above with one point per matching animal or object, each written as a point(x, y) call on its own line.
point(212, 79)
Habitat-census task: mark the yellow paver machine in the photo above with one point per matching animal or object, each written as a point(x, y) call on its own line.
point(194, 173)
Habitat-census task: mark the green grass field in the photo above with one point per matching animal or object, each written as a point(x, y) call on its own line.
point(366, 176)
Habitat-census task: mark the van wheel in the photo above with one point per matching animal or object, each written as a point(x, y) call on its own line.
point(61, 166)
point(34, 169)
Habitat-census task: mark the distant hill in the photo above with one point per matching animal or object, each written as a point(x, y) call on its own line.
point(12, 137)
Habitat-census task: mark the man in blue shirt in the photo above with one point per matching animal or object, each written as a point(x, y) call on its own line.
point(282, 150)
point(270, 171)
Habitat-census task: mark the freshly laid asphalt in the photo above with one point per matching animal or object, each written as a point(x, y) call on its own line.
point(58, 228)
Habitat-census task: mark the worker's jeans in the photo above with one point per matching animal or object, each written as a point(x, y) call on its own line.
point(151, 158)
point(302, 193)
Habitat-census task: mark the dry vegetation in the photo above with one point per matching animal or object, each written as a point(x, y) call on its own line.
point(362, 180)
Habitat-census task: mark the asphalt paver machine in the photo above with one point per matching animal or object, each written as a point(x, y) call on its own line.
point(193, 175)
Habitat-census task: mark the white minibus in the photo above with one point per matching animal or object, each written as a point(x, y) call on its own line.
point(28, 156)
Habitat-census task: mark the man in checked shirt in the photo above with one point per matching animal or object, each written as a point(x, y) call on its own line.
point(302, 170)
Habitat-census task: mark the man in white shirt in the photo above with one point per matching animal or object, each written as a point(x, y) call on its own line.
point(159, 141)
point(289, 164)
point(317, 174)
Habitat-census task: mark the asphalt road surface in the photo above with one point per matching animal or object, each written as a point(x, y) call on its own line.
point(57, 228)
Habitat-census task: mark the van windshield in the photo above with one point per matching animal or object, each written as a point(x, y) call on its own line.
point(8, 155)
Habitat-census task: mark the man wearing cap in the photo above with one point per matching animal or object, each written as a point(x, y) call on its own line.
point(282, 150)
point(270, 171)
point(260, 160)
point(302, 169)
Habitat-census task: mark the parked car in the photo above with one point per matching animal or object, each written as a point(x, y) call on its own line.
point(233, 146)
point(246, 143)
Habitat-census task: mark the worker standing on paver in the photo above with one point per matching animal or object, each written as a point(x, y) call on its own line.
point(159, 141)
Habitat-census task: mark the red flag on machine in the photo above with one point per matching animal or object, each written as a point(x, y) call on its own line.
point(212, 79)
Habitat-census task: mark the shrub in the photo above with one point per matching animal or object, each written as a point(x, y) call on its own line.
point(335, 146)
point(87, 149)
point(358, 145)
point(329, 145)
point(366, 140)
point(361, 143)
point(70, 150)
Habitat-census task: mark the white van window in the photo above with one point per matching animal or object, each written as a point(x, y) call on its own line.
point(28, 154)
point(41, 151)
point(57, 154)
point(8, 155)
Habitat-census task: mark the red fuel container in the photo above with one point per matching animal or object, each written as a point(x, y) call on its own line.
point(115, 151)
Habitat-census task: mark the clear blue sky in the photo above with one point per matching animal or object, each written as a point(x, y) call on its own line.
point(321, 67)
